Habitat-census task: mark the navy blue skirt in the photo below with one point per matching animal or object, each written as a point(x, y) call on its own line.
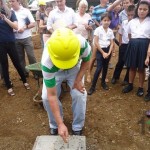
point(136, 53)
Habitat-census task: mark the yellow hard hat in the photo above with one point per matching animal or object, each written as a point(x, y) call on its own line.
point(64, 48)
point(42, 2)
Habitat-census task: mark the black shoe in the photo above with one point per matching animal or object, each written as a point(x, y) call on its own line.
point(91, 91)
point(53, 131)
point(128, 88)
point(113, 81)
point(140, 92)
point(147, 97)
point(77, 132)
point(105, 86)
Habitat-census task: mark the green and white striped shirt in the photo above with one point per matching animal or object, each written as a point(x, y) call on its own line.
point(49, 69)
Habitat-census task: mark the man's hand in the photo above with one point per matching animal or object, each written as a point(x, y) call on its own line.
point(21, 30)
point(63, 132)
point(2, 16)
point(79, 86)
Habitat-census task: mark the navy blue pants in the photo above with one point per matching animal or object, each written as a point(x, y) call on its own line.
point(120, 63)
point(102, 64)
point(10, 49)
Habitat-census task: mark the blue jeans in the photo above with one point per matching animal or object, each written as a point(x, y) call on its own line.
point(78, 99)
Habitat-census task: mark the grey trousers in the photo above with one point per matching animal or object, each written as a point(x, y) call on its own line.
point(25, 45)
point(78, 99)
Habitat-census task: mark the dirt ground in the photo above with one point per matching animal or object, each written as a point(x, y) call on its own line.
point(114, 121)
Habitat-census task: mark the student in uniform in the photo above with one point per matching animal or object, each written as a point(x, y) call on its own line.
point(123, 13)
point(123, 42)
point(139, 35)
point(104, 42)
point(96, 17)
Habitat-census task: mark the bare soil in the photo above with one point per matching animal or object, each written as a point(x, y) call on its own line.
point(114, 121)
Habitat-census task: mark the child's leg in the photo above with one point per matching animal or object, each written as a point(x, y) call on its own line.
point(105, 68)
point(120, 63)
point(126, 78)
point(97, 73)
point(93, 58)
point(104, 73)
point(132, 73)
point(140, 91)
point(141, 77)
point(129, 87)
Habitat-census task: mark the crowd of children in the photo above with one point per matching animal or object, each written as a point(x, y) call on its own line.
point(58, 28)
point(134, 36)
point(122, 22)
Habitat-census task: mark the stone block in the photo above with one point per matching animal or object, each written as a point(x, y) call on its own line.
point(47, 142)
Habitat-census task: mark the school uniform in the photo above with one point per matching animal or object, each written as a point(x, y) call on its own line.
point(104, 42)
point(138, 44)
point(122, 51)
point(123, 16)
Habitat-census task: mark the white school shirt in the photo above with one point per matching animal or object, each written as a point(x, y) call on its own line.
point(124, 32)
point(139, 30)
point(123, 16)
point(104, 37)
point(21, 14)
point(66, 17)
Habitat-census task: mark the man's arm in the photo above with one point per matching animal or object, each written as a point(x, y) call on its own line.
point(31, 19)
point(53, 102)
point(50, 22)
point(73, 26)
point(97, 23)
point(74, 21)
point(85, 56)
point(111, 7)
point(31, 25)
point(12, 22)
point(49, 71)
point(78, 84)
point(94, 17)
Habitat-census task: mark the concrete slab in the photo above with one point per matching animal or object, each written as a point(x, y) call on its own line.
point(48, 142)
